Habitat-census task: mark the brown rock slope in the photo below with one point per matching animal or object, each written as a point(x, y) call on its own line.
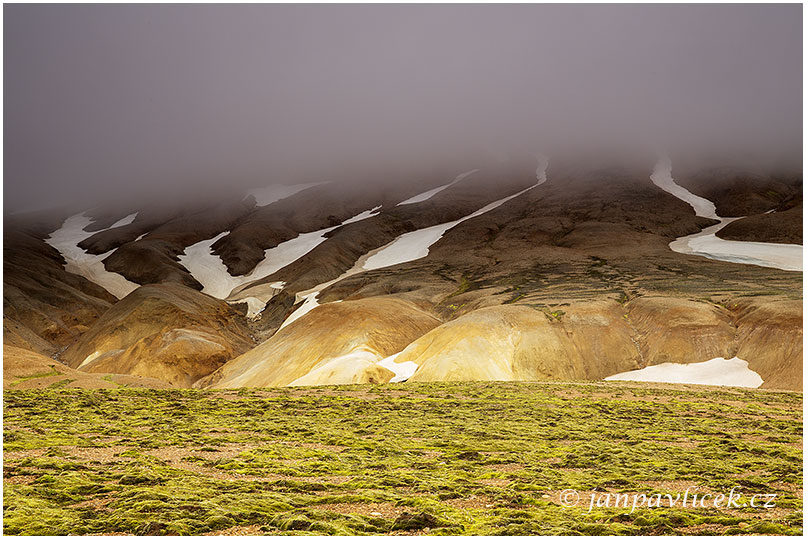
point(678, 330)
point(737, 191)
point(778, 227)
point(347, 244)
point(313, 209)
point(573, 241)
point(24, 369)
point(166, 331)
point(376, 327)
point(770, 339)
point(44, 307)
point(154, 258)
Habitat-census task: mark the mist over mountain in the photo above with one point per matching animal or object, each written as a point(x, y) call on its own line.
point(122, 101)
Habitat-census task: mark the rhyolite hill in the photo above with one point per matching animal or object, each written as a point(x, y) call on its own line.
point(570, 278)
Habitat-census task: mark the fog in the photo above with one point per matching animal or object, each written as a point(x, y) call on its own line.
point(120, 100)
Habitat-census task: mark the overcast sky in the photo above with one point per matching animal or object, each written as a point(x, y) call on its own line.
point(117, 98)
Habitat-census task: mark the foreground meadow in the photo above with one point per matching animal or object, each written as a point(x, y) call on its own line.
point(442, 458)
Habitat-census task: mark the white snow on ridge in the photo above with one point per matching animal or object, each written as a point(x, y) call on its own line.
point(363, 215)
point(405, 248)
point(662, 177)
point(216, 280)
point(80, 262)
point(416, 244)
point(272, 193)
point(542, 167)
point(705, 243)
point(716, 372)
point(428, 194)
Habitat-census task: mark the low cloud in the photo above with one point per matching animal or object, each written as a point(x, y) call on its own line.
point(128, 99)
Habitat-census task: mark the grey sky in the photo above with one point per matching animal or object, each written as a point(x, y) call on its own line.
point(101, 99)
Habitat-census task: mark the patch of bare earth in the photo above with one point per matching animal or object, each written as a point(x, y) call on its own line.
point(19, 479)
point(378, 509)
point(505, 467)
point(238, 530)
point(471, 502)
point(494, 482)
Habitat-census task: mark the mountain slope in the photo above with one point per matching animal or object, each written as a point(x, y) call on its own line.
point(45, 308)
point(167, 331)
point(375, 327)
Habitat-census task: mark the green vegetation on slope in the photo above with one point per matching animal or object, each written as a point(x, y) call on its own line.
point(440, 458)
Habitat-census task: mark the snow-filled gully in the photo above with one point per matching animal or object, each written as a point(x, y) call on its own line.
point(705, 243)
point(216, 280)
point(718, 371)
point(428, 194)
point(78, 261)
point(405, 248)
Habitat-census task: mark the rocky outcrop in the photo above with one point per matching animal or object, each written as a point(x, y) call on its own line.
point(334, 334)
point(166, 331)
point(24, 369)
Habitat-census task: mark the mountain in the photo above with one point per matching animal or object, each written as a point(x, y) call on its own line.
point(491, 271)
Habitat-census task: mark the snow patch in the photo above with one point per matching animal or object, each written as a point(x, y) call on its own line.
point(339, 370)
point(542, 167)
point(416, 244)
point(428, 194)
point(209, 270)
point(90, 358)
point(405, 248)
point(254, 305)
point(705, 243)
point(78, 261)
point(272, 193)
point(403, 371)
point(129, 219)
point(716, 372)
point(363, 215)
point(662, 177)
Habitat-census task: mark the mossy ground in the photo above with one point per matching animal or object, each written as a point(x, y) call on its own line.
point(458, 458)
